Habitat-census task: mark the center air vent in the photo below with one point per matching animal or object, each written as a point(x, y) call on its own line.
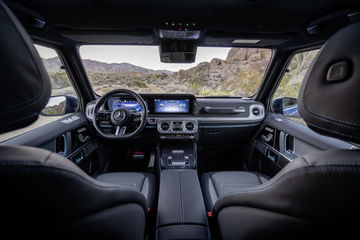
point(165, 126)
point(177, 126)
point(190, 126)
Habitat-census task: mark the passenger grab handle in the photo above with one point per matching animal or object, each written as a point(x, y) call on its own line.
point(229, 110)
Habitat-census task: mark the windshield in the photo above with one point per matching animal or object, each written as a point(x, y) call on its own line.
point(216, 71)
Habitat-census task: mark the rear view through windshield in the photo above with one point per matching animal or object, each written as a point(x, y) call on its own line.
point(216, 71)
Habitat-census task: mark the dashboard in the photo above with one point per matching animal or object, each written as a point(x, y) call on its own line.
point(183, 116)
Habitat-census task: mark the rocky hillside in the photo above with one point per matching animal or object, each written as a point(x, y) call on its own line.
point(239, 74)
point(296, 71)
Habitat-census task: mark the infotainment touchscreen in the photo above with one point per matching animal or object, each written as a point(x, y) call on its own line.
point(171, 105)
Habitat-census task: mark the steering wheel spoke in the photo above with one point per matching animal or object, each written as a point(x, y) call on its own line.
point(120, 130)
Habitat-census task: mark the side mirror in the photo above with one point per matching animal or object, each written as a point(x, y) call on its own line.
point(60, 105)
point(286, 106)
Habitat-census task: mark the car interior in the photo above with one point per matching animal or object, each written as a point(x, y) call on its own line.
point(236, 119)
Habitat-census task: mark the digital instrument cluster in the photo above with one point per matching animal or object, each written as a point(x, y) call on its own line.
point(129, 104)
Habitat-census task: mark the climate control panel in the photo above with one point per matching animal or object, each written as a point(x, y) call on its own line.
point(177, 126)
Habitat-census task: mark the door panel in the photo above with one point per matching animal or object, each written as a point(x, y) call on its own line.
point(70, 136)
point(44, 134)
point(283, 140)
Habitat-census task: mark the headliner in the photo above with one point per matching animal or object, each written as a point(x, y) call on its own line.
point(278, 22)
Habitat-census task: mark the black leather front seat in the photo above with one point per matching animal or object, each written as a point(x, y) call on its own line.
point(140, 182)
point(44, 195)
point(218, 184)
point(316, 196)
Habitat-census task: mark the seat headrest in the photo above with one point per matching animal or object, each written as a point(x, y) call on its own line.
point(25, 86)
point(329, 98)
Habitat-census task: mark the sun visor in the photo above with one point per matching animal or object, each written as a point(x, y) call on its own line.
point(130, 37)
point(243, 40)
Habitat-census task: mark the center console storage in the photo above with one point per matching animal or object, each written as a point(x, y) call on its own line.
point(181, 210)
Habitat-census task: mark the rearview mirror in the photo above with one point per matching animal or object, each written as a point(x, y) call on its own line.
point(60, 105)
point(286, 106)
point(177, 51)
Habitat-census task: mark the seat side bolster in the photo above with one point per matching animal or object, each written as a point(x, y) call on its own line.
point(209, 191)
point(147, 190)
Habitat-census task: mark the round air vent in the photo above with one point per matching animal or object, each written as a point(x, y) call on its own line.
point(256, 111)
point(165, 126)
point(190, 126)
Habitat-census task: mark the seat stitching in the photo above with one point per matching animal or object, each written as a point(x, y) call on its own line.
point(142, 184)
point(217, 195)
point(181, 200)
point(259, 178)
point(47, 158)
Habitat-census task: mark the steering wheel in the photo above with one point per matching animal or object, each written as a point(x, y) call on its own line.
point(120, 120)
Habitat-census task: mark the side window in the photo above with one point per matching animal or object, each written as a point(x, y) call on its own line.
point(62, 92)
point(285, 97)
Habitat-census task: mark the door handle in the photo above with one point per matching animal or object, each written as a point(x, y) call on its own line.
point(289, 144)
point(272, 156)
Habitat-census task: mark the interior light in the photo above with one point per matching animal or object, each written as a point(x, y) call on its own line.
point(184, 35)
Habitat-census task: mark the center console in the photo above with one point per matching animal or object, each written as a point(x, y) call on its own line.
point(181, 210)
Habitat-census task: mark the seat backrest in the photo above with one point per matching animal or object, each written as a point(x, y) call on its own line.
point(40, 188)
point(316, 193)
point(44, 195)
